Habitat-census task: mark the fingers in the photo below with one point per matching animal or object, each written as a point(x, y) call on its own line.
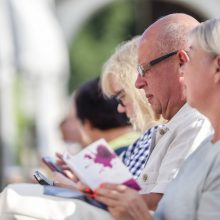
point(81, 186)
point(111, 194)
point(69, 173)
point(60, 178)
point(59, 156)
point(112, 186)
point(59, 160)
point(111, 203)
point(62, 181)
point(110, 191)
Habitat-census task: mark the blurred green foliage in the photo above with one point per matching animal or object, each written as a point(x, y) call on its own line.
point(20, 120)
point(25, 135)
point(98, 38)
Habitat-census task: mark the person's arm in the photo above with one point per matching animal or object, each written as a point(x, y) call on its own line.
point(152, 200)
point(123, 202)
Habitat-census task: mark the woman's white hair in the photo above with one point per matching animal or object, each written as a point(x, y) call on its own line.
point(121, 67)
point(207, 36)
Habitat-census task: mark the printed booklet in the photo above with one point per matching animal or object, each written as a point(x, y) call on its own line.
point(98, 163)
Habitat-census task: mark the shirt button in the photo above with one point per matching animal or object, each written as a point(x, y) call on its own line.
point(162, 131)
point(145, 177)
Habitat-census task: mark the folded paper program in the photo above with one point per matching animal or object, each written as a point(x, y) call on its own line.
point(97, 164)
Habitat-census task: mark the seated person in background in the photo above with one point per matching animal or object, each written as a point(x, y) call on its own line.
point(99, 117)
point(71, 130)
point(92, 116)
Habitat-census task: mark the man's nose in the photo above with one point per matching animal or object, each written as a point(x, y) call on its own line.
point(139, 82)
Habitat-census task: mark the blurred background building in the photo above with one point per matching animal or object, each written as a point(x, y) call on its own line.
point(49, 47)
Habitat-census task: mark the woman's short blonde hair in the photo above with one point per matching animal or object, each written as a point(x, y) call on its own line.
point(207, 36)
point(121, 67)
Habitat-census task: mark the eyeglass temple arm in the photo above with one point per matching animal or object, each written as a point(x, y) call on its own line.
point(162, 58)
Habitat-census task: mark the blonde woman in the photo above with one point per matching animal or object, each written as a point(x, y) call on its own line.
point(118, 79)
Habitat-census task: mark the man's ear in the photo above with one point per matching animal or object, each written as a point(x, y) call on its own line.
point(183, 57)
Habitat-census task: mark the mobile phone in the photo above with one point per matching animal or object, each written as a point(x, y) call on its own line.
point(52, 165)
point(43, 180)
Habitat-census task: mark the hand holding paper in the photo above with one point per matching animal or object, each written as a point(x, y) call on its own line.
point(98, 163)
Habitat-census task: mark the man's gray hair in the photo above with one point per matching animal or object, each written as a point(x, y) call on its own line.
point(207, 36)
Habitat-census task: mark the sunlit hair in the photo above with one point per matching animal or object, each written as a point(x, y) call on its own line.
point(207, 36)
point(121, 67)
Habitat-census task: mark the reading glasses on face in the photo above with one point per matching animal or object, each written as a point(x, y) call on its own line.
point(119, 95)
point(143, 68)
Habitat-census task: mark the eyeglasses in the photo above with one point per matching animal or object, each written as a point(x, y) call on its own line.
point(143, 68)
point(119, 97)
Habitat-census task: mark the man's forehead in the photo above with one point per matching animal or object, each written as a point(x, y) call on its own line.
point(146, 49)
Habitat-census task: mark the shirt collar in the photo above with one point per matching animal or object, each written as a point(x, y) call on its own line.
point(179, 116)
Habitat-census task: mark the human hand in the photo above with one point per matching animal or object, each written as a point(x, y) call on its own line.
point(123, 202)
point(62, 181)
point(66, 170)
